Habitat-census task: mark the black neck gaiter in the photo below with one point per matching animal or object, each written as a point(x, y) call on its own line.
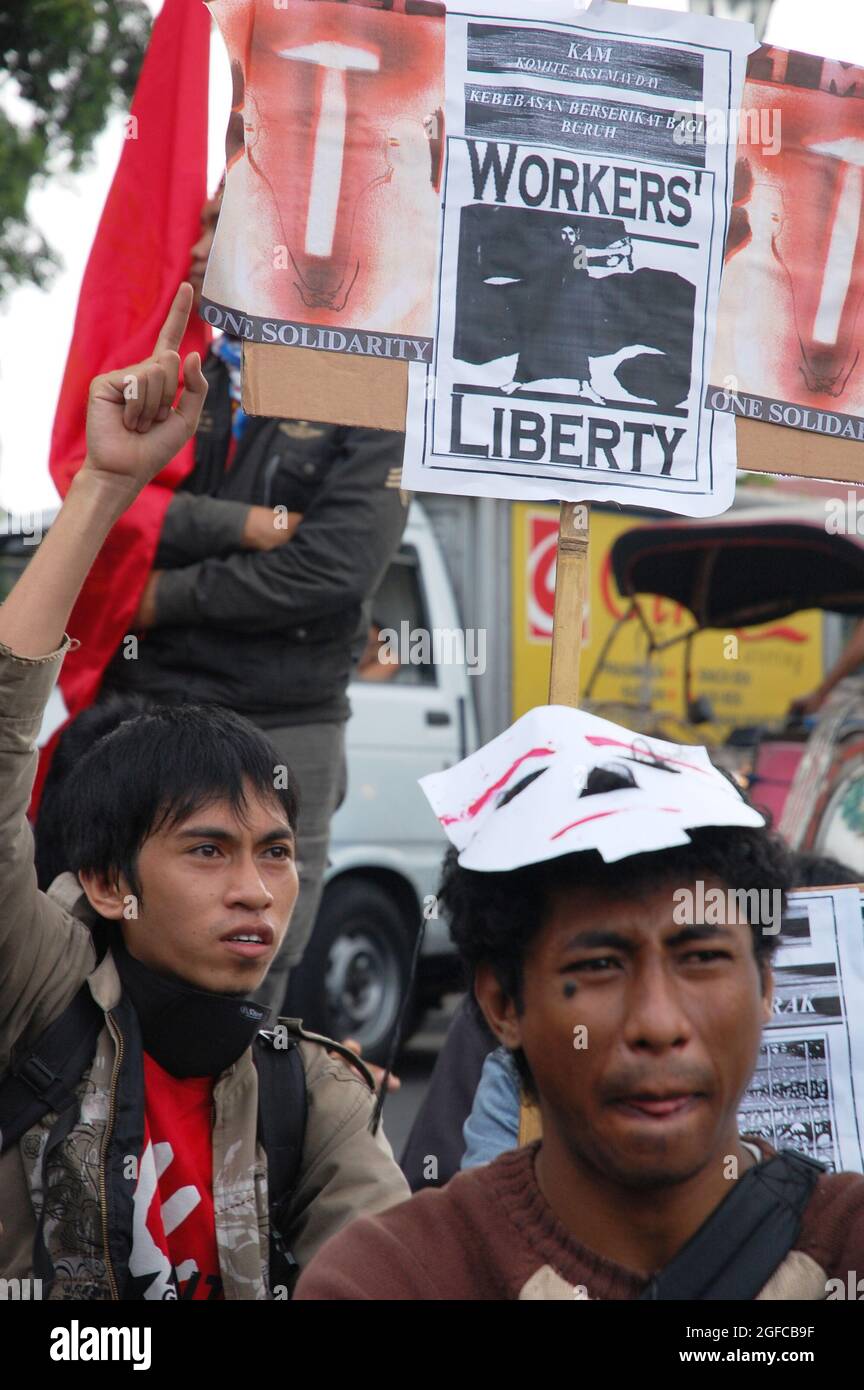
point(188, 1031)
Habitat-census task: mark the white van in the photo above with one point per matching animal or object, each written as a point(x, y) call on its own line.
point(387, 846)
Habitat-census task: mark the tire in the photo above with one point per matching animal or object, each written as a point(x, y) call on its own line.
point(354, 974)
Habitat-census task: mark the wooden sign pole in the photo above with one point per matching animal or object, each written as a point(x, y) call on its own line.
point(571, 593)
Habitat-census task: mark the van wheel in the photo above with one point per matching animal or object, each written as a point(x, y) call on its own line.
point(354, 974)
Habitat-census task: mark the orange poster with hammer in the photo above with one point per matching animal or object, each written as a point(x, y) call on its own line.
point(790, 329)
point(328, 232)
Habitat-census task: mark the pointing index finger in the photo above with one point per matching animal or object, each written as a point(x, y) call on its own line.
point(172, 330)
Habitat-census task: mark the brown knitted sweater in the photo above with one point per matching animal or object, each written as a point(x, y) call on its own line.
point(490, 1234)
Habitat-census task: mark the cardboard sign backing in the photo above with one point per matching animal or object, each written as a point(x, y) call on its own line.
point(305, 384)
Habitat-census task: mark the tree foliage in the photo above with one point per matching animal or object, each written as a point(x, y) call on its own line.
point(64, 66)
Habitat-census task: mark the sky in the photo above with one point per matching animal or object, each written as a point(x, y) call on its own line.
point(36, 325)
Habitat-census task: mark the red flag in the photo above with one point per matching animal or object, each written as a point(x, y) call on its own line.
point(150, 222)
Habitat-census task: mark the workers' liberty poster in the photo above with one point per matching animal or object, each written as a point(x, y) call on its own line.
point(790, 330)
point(327, 236)
point(585, 218)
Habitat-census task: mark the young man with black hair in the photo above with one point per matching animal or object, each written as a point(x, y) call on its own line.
point(268, 557)
point(637, 1034)
point(159, 1168)
point(77, 738)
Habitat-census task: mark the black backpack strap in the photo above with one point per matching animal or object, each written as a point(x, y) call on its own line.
point(282, 1107)
point(293, 1025)
point(733, 1255)
point(45, 1076)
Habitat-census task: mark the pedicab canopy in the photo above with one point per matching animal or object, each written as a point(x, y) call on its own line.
point(739, 573)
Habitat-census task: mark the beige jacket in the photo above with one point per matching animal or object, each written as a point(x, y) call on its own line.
point(46, 953)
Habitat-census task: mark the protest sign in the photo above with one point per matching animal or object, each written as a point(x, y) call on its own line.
point(325, 380)
point(327, 235)
point(582, 245)
point(789, 337)
point(806, 1092)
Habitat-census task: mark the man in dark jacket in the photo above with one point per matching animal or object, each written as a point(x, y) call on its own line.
point(267, 553)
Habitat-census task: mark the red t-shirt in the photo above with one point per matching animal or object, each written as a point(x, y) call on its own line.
point(174, 1232)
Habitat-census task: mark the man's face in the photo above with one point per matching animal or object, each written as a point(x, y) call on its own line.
point(200, 252)
point(648, 1093)
point(208, 881)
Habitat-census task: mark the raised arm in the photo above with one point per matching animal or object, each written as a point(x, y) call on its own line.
point(849, 660)
point(133, 430)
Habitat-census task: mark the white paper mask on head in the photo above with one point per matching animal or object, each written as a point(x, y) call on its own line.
point(519, 800)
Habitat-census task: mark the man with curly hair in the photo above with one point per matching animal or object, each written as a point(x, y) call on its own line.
point(635, 1028)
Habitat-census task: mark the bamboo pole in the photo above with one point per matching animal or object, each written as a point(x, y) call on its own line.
point(571, 592)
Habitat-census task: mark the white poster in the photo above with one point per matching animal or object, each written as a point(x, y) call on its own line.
point(807, 1092)
point(585, 216)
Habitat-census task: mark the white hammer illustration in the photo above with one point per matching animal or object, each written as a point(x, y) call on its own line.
point(335, 60)
point(840, 260)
